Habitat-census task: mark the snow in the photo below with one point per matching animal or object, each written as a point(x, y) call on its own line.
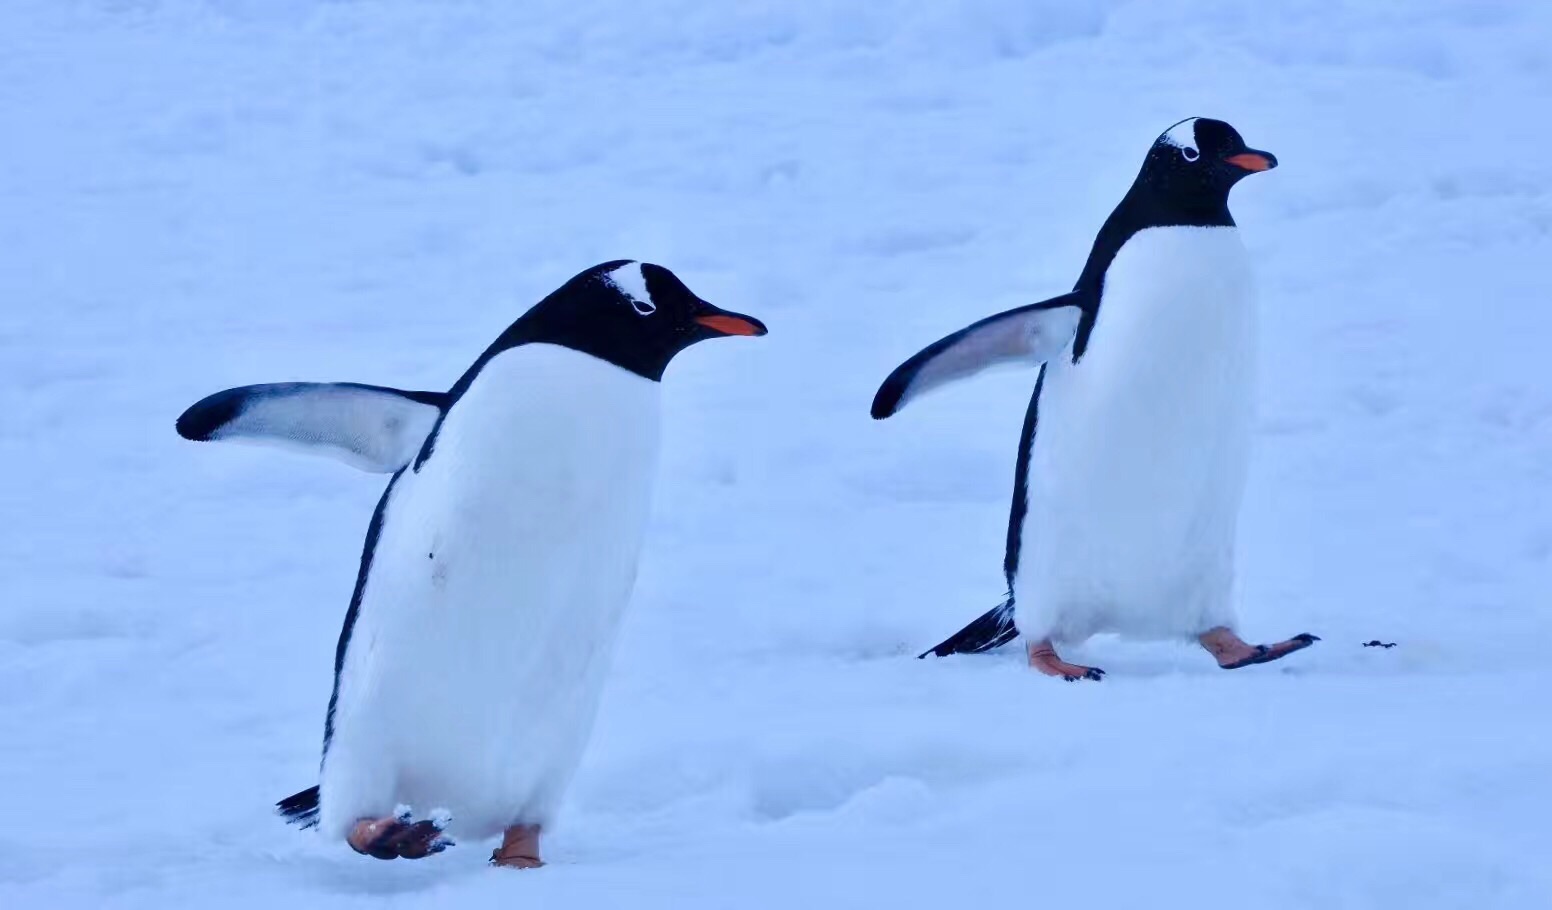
point(195, 195)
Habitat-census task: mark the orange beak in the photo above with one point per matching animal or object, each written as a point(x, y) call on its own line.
point(1252, 160)
point(725, 323)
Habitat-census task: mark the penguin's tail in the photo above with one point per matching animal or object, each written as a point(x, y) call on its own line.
point(993, 629)
point(300, 809)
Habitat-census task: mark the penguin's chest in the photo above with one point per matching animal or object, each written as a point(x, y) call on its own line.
point(1138, 463)
point(500, 576)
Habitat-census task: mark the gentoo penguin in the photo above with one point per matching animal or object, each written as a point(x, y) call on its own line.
point(496, 565)
point(1126, 500)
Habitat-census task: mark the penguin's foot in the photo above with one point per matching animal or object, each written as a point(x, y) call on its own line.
point(398, 836)
point(519, 848)
point(1042, 656)
point(1233, 652)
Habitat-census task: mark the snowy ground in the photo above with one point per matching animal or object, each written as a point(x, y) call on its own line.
point(197, 195)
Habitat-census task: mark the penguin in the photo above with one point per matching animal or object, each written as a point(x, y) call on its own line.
point(1126, 500)
point(496, 565)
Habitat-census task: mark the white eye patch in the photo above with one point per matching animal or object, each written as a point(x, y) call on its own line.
point(1183, 136)
point(630, 282)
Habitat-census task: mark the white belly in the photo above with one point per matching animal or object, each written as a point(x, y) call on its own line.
point(1136, 475)
point(498, 582)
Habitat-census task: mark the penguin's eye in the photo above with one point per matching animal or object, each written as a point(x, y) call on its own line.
point(1190, 154)
point(643, 307)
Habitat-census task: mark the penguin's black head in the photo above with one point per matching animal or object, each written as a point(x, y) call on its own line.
point(635, 315)
point(1194, 164)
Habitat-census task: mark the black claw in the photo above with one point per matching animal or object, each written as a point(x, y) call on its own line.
point(1264, 654)
point(1093, 673)
point(408, 840)
point(419, 840)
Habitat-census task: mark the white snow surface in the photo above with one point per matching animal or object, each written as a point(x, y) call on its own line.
point(195, 195)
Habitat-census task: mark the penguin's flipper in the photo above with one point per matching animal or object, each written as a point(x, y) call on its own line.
point(369, 427)
point(1029, 335)
point(992, 629)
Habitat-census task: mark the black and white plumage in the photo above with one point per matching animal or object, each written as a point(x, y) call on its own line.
point(370, 427)
point(1135, 444)
point(498, 562)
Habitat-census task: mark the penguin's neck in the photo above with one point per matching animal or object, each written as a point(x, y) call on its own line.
point(1144, 206)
